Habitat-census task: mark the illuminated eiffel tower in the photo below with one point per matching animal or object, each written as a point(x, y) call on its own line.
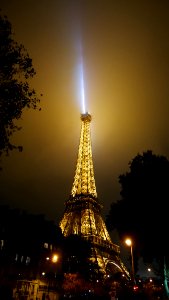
point(82, 214)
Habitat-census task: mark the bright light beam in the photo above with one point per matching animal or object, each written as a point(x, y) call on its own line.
point(82, 86)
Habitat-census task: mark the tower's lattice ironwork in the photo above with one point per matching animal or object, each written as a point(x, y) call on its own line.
point(82, 214)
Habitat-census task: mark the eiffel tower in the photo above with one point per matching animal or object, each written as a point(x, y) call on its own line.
point(82, 214)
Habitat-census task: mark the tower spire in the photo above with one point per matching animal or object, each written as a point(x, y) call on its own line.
point(84, 181)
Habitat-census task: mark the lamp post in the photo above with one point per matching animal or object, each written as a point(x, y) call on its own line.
point(129, 243)
point(51, 275)
point(54, 260)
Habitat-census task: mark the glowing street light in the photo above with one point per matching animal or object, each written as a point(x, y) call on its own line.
point(55, 258)
point(129, 243)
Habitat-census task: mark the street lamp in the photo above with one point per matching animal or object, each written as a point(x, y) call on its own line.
point(55, 258)
point(129, 243)
point(51, 278)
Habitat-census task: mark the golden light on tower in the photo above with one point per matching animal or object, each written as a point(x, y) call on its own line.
point(84, 181)
point(82, 215)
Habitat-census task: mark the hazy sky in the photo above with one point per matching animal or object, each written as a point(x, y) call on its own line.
point(126, 70)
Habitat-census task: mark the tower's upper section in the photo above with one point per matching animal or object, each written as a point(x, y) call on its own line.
point(84, 182)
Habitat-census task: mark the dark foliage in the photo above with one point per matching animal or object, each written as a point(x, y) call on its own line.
point(15, 92)
point(142, 211)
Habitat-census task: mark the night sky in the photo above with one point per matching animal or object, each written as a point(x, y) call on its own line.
point(125, 47)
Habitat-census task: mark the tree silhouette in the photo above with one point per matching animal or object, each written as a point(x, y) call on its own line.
point(15, 92)
point(142, 211)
